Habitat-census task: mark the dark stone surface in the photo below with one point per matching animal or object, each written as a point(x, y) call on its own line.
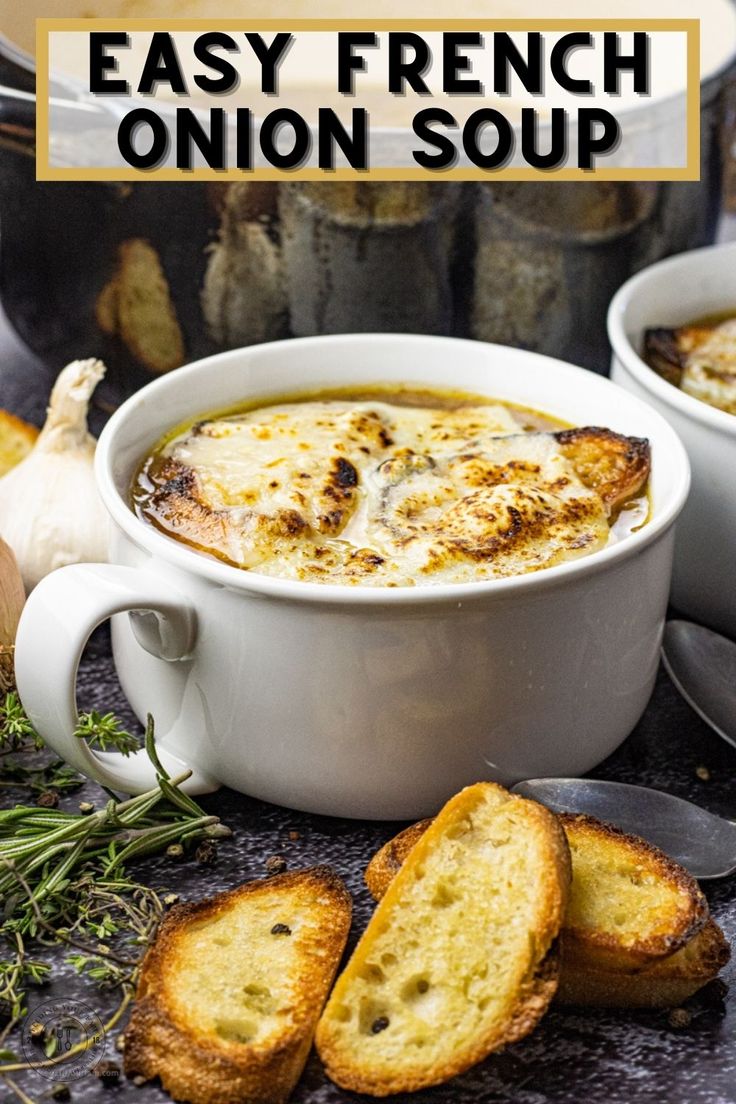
point(574, 1055)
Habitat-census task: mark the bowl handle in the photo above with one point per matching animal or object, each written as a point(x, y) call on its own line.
point(56, 623)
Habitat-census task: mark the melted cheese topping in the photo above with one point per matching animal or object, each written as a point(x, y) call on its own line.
point(374, 493)
point(709, 373)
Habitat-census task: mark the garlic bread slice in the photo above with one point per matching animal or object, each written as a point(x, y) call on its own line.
point(456, 961)
point(665, 984)
point(17, 438)
point(630, 904)
point(231, 990)
point(614, 466)
point(141, 308)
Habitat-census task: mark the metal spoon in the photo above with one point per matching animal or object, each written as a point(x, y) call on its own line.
point(702, 665)
point(705, 844)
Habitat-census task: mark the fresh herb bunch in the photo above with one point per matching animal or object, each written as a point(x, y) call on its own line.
point(64, 878)
point(104, 730)
point(19, 741)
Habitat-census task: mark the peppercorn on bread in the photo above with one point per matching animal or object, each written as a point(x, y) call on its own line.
point(457, 959)
point(230, 992)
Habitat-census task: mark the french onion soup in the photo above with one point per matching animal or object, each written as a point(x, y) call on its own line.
point(393, 487)
point(699, 358)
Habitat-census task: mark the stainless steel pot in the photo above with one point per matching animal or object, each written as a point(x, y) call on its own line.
point(532, 265)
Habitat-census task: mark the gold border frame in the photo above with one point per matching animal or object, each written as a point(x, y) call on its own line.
point(689, 171)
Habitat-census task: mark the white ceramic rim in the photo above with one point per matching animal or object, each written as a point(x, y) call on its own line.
point(670, 270)
point(189, 560)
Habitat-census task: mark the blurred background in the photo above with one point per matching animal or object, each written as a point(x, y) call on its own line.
point(149, 276)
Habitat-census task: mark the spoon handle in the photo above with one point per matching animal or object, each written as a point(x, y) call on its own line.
point(700, 841)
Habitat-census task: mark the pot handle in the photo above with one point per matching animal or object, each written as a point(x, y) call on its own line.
point(17, 109)
point(57, 621)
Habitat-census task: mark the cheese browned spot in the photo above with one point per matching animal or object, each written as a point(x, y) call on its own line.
point(700, 359)
point(382, 494)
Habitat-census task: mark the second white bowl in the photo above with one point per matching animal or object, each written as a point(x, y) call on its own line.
point(672, 293)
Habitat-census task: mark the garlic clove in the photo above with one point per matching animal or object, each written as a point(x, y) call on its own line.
point(51, 513)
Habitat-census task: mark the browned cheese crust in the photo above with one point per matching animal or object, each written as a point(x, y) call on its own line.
point(331, 492)
point(164, 1038)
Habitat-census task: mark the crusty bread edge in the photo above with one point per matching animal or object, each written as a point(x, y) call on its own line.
point(19, 427)
point(537, 989)
point(590, 950)
point(599, 949)
point(126, 290)
point(667, 983)
point(388, 860)
point(189, 1069)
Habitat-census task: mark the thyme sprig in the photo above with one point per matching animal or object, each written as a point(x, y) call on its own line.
point(19, 741)
point(16, 731)
point(104, 730)
point(48, 847)
point(64, 877)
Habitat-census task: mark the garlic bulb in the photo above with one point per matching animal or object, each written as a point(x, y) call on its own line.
point(51, 513)
point(12, 599)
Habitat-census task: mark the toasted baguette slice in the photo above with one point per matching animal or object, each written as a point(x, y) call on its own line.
point(230, 992)
point(615, 466)
point(106, 308)
point(137, 305)
point(630, 905)
point(455, 961)
point(386, 863)
point(669, 982)
point(17, 438)
point(667, 351)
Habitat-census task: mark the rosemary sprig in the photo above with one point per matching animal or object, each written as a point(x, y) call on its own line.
point(48, 847)
point(64, 879)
